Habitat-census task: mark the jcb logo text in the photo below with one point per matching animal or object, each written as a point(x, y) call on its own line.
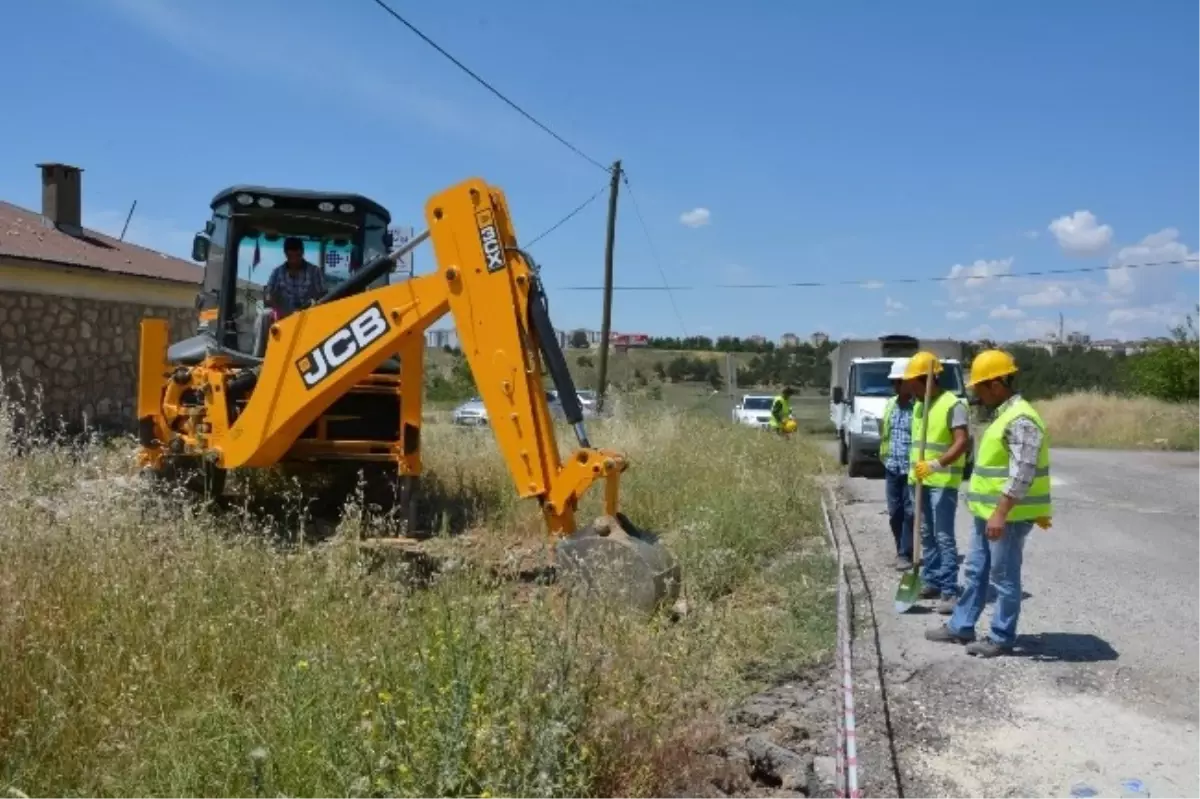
point(342, 345)
point(489, 237)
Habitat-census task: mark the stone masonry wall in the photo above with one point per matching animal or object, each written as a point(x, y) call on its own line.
point(83, 353)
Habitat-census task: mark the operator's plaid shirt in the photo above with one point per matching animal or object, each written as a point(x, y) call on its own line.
point(294, 290)
point(901, 433)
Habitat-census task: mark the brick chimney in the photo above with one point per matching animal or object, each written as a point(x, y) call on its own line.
point(62, 201)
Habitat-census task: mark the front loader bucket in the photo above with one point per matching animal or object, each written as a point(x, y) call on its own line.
point(614, 558)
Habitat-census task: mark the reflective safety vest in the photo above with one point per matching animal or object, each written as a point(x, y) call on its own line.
point(939, 441)
point(784, 409)
point(991, 470)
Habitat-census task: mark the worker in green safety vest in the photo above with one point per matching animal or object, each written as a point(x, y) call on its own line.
point(1009, 492)
point(781, 412)
point(945, 425)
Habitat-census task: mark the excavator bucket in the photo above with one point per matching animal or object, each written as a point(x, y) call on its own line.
point(614, 558)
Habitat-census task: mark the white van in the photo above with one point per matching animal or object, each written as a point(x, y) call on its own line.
point(860, 388)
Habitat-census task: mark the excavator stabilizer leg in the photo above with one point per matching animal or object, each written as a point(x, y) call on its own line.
point(617, 559)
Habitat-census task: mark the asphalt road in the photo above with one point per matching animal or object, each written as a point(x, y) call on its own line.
point(1103, 687)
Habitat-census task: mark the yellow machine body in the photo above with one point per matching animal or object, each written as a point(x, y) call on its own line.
point(227, 412)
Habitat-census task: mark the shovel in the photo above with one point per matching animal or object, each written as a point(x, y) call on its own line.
point(909, 590)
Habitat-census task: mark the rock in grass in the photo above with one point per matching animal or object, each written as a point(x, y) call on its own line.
point(772, 764)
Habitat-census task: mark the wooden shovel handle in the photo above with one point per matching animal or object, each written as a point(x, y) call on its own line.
point(920, 458)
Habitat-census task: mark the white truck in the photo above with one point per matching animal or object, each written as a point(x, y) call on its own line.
point(859, 388)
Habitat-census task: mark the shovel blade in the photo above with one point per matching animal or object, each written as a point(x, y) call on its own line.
point(908, 592)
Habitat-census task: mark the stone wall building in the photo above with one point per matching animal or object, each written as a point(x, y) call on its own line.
point(71, 301)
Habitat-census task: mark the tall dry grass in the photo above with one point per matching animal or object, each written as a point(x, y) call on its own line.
point(150, 647)
point(1103, 421)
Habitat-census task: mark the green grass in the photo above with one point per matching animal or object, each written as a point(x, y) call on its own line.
point(148, 647)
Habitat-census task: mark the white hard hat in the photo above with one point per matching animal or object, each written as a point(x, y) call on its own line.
point(898, 367)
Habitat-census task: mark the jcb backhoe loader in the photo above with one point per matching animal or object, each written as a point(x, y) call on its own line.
point(339, 383)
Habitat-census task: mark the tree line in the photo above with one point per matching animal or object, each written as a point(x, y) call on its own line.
point(1168, 370)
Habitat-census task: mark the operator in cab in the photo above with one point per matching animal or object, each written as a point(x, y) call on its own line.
point(294, 284)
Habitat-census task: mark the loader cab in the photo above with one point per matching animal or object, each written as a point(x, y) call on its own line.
point(242, 243)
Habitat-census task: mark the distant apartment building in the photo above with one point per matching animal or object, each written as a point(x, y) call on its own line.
point(789, 340)
point(441, 337)
point(448, 337)
point(819, 339)
point(757, 339)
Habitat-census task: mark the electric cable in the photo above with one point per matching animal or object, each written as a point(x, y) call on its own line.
point(881, 283)
point(396, 15)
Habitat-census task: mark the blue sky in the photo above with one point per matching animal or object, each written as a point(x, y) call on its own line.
point(823, 141)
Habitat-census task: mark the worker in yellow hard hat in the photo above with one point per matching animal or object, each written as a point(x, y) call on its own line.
point(945, 425)
point(1009, 492)
point(781, 420)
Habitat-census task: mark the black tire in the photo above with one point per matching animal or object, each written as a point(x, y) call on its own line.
point(854, 465)
point(843, 450)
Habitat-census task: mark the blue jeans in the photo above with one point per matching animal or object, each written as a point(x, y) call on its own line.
point(900, 512)
point(939, 551)
point(1001, 562)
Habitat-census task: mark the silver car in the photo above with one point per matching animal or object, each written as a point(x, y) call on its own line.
point(472, 413)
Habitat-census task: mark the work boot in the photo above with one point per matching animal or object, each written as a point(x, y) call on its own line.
point(903, 564)
point(987, 648)
point(929, 592)
point(944, 635)
point(946, 603)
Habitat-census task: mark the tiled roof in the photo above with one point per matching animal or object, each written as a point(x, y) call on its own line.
point(24, 234)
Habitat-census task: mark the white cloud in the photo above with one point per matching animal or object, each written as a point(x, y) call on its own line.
point(1079, 233)
point(1139, 322)
point(1153, 284)
point(1054, 295)
point(1036, 328)
point(1031, 234)
point(872, 285)
point(978, 273)
point(956, 315)
point(1004, 312)
point(697, 217)
point(893, 307)
point(981, 332)
point(966, 282)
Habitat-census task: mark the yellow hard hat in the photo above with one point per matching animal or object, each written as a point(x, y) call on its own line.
point(789, 426)
point(920, 364)
point(991, 364)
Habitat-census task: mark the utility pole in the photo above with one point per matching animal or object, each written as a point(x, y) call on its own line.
point(730, 377)
point(606, 318)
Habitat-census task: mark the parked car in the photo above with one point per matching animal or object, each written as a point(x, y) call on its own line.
point(472, 413)
point(754, 410)
point(587, 402)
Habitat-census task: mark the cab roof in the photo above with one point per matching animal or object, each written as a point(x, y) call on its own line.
point(303, 197)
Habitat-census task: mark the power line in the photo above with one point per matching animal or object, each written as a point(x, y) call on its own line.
point(654, 253)
point(881, 283)
point(566, 218)
point(395, 15)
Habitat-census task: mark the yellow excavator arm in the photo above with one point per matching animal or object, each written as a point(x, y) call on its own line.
point(316, 356)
